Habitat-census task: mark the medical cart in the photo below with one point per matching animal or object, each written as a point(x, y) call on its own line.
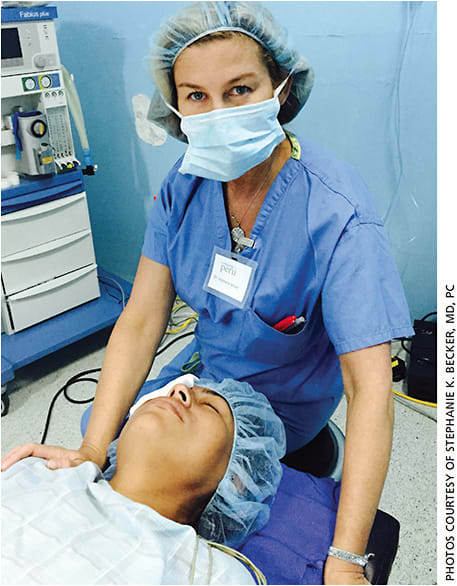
point(53, 293)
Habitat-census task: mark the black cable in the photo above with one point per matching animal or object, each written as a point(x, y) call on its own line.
point(173, 341)
point(403, 345)
point(428, 315)
point(176, 324)
point(117, 286)
point(74, 379)
point(409, 339)
point(77, 379)
point(80, 401)
point(113, 296)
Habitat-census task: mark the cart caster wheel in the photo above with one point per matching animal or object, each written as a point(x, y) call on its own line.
point(5, 404)
point(5, 401)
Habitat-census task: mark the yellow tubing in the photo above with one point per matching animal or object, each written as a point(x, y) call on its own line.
point(414, 400)
point(186, 323)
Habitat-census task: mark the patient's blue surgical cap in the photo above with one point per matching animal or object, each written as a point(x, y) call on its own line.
point(199, 19)
point(242, 501)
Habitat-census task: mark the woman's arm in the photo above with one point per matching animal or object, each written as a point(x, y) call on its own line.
point(128, 359)
point(130, 352)
point(367, 379)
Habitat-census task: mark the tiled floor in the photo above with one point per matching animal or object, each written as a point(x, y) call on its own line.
point(409, 493)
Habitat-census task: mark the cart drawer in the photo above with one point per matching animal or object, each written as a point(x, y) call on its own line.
point(53, 297)
point(48, 261)
point(45, 222)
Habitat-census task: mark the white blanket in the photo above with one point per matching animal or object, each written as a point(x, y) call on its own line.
point(70, 527)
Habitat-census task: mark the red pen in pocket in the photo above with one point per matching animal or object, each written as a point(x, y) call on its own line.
point(285, 323)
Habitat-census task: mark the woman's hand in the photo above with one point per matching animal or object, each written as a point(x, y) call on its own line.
point(56, 456)
point(338, 571)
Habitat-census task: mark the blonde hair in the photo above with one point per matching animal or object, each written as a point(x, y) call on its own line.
point(275, 72)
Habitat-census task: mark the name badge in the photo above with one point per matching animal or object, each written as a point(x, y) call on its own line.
point(230, 276)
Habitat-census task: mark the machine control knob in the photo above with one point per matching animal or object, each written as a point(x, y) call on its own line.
point(40, 61)
point(46, 81)
point(30, 83)
point(39, 128)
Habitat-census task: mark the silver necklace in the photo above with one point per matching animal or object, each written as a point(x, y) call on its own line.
point(239, 238)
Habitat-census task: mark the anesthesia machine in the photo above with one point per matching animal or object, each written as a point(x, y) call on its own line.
point(48, 261)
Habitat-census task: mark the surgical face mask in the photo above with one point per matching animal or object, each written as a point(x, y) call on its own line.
point(225, 143)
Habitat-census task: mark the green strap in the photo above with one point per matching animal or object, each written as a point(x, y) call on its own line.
point(191, 364)
point(296, 148)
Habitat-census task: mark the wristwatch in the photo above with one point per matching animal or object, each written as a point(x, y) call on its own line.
point(360, 560)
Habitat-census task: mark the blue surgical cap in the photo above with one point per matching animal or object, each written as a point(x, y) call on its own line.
point(199, 19)
point(242, 501)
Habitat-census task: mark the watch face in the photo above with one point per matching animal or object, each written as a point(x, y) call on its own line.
point(39, 128)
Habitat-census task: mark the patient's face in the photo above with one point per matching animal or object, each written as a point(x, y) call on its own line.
point(188, 436)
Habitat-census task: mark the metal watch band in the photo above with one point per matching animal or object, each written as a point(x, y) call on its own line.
point(360, 560)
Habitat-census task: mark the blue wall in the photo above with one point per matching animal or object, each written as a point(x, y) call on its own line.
point(374, 104)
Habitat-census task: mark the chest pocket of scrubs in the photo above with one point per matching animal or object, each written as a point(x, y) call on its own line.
point(260, 342)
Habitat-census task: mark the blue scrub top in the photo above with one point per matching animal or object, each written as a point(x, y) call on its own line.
point(322, 253)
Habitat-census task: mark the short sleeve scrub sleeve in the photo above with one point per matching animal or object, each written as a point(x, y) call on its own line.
point(362, 297)
point(155, 239)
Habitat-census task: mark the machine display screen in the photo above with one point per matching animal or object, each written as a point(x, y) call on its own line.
point(11, 45)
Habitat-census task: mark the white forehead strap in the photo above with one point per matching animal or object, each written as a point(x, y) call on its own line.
point(185, 379)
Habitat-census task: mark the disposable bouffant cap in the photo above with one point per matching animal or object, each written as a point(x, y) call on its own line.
point(242, 501)
point(243, 498)
point(199, 19)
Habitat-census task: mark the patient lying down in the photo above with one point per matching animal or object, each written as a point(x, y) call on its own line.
point(201, 463)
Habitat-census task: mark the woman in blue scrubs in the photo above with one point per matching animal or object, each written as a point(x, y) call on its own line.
point(252, 227)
